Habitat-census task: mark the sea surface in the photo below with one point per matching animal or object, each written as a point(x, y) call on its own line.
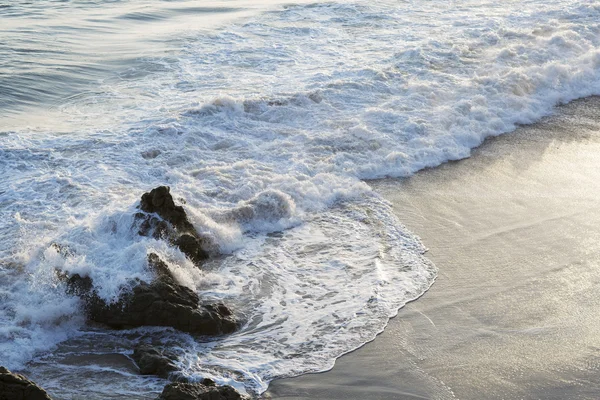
point(288, 108)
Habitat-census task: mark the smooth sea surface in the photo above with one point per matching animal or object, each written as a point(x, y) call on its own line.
point(286, 108)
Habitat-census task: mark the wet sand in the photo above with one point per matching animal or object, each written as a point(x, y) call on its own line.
point(515, 310)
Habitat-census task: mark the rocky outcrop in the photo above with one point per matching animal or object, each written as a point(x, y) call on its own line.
point(17, 387)
point(206, 390)
point(154, 361)
point(162, 219)
point(160, 201)
point(162, 302)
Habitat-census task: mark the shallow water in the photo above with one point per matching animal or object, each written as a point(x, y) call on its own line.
point(513, 312)
point(284, 109)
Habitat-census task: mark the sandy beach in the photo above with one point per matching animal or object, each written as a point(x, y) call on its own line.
point(515, 233)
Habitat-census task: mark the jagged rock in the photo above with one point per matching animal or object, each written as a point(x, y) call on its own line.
point(160, 268)
point(153, 361)
point(160, 201)
point(17, 387)
point(206, 390)
point(172, 224)
point(160, 303)
point(192, 247)
point(153, 226)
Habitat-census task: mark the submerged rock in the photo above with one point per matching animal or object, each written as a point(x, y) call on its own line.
point(160, 303)
point(163, 219)
point(17, 387)
point(206, 390)
point(153, 361)
point(79, 285)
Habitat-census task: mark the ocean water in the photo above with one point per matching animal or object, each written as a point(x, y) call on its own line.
point(287, 108)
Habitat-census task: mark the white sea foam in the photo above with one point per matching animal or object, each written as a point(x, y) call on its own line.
point(266, 130)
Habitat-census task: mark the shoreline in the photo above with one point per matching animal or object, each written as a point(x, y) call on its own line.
point(511, 230)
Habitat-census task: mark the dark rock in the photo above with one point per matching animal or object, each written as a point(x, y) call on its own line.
point(160, 201)
point(192, 247)
point(208, 382)
point(153, 361)
point(160, 303)
point(17, 387)
point(160, 268)
point(162, 219)
point(153, 226)
point(199, 391)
